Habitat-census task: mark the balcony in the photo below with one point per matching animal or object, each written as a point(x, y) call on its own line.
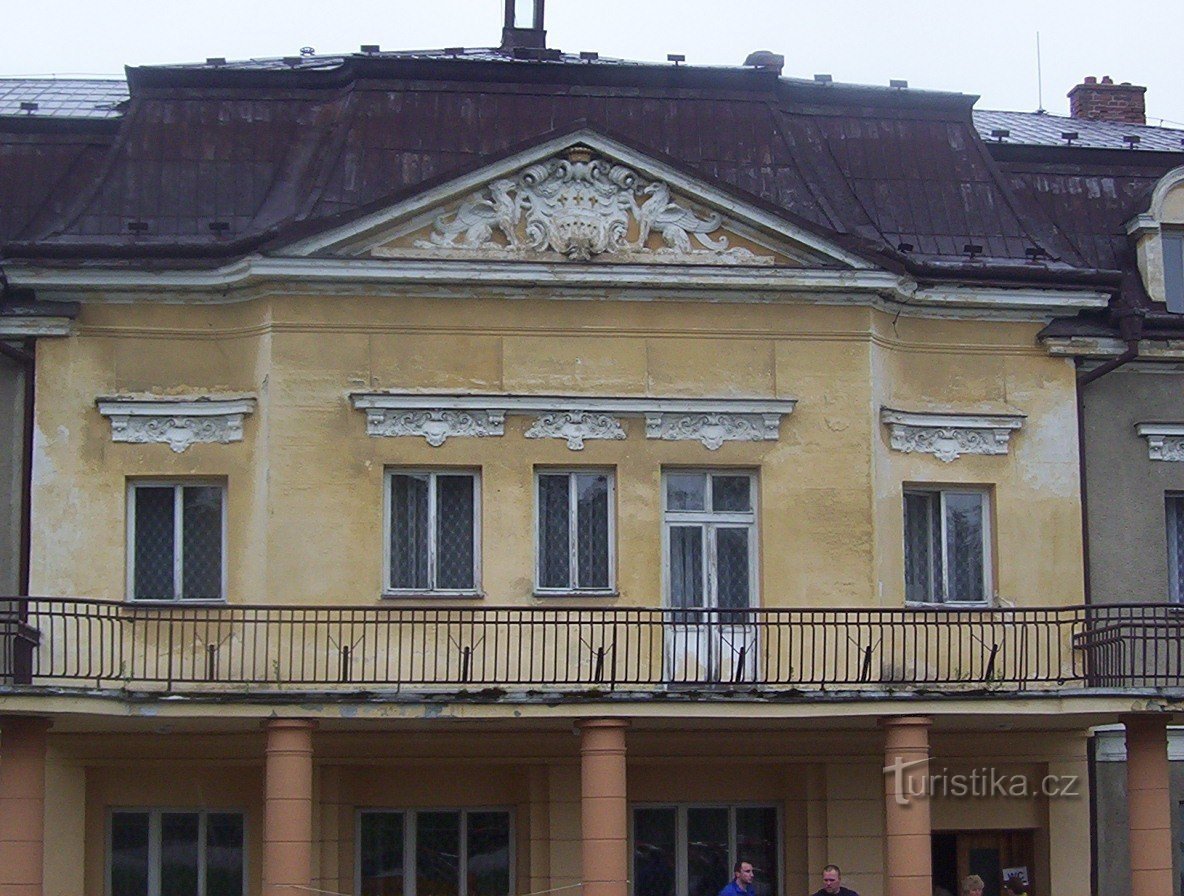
point(493, 652)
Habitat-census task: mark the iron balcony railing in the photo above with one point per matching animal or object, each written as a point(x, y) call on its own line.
point(72, 643)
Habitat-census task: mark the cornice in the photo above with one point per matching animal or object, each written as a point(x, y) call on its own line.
point(948, 436)
point(177, 422)
point(1165, 441)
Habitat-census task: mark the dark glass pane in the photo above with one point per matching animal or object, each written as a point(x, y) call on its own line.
point(224, 854)
point(756, 842)
point(488, 839)
point(686, 491)
point(922, 560)
point(409, 531)
point(554, 543)
point(454, 532)
point(654, 852)
point(1176, 545)
point(731, 493)
point(201, 538)
point(686, 566)
point(592, 529)
point(732, 580)
point(382, 854)
point(178, 853)
point(708, 867)
point(154, 543)
point(129, 854)
point(437, 854)
point(964, 530)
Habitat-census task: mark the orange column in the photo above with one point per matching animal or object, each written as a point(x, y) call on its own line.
point(1147, 779)
point(287, 811)
point(604, 814)
point(22, 805)
point(906, 806)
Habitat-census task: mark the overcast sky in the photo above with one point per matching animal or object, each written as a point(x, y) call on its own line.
point(986, 47)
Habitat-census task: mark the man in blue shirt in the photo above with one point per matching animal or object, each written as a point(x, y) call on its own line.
point(741, 884)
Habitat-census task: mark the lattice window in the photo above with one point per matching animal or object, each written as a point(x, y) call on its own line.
point(1175, 538)
point(432, 531)
point(946, 554)
point(159, 852)
point(177, 538)
point(575, 531)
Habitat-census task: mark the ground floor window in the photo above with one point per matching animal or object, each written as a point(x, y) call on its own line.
point(453, 852)
point(690, 850)
point(162, 852)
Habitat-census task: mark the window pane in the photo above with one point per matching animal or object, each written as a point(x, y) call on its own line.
point(922, 562)
point(554, 543)
point(437, 854)
point(756, 842)
point(409, 531)
point(592, 529)
point(488, 854)
point(129, 854)
point(708, 868)
point(685, 491)
point(154, 543)
point(686, 566)
point(964, 531)
point(731, 493)
point(732, 567)
point(178, 853)
point(382, 854)
point(454, 532)
point(201, 554)
point(1175, 504)
point(653, 852)
point(224, 854)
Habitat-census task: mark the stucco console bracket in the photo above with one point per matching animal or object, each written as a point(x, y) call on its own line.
point(1165, 441)
point(947, 436)
point(177, 422)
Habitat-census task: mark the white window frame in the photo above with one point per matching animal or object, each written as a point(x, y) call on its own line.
point(1174, 513)
point(572, 534)
point(178, 538)
point(987, 555)
point(154, 852)
point(410, 831)
point(432, 473)
point(680, 838)
point(712, 521)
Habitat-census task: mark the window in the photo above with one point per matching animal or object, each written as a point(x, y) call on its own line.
point(946, 546)
point(160, 852)
point(435, 853)
point(432, 525)
point(710, 535)
point(575, 531)
point(1175, 515)
point(689, 850)
point(176, 533)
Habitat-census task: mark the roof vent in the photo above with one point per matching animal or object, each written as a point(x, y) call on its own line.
point(898, 83)
point(371, 48)
point(1132, 140)
point(1069, 137)
point(1000, 134)
point(824, 79)
point(524, 25)
point(29, 108)
point(766, 60)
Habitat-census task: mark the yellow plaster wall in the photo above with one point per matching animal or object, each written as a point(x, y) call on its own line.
point(305, 486)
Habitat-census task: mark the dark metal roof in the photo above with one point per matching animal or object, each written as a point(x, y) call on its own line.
point(62, 97)
point(1042, 129)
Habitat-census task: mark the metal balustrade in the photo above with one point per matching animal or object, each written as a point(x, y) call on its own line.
point(73, 643)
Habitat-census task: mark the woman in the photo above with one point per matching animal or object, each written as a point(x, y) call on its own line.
point(973, 886)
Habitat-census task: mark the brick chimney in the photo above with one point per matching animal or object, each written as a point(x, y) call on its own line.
point(1104, 100)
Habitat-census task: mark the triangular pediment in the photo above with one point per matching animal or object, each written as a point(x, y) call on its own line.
point(583, 198)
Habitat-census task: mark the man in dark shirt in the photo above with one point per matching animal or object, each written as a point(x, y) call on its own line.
point(741, 884)
point(832, 883)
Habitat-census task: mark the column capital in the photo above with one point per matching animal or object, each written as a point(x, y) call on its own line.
point(905, 722)
point(602, 723)
point(1145, 719)
point(291, 724)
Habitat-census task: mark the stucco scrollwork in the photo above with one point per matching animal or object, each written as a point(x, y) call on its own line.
point(436, 425)
point(949, 436)
point(575, 427)
point(1165, 441)
point(581, 206)
point(713, 429)
point(176, 422)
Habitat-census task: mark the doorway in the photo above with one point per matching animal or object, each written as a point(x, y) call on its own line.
point(958, 854)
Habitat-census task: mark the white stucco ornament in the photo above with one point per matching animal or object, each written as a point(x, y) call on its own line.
point(436, 425)
point(176, 422)
point(712, 430)
point(949, 436)
point(575, 427)
point(1165, 441)
point(581, 206)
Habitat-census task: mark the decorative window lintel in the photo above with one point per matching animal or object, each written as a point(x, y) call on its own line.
point(947, 436)
point(176, 421)
point(1165, 441)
